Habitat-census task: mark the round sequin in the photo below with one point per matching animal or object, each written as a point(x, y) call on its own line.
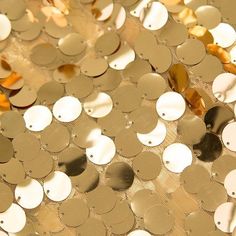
point(102, 199)
point(224, 217)
point(6, 196)
point(193, 123)
point(190, 178)
point(50, 92)
point(98, 105)
point(139, 232)
point(152, 85)
point(102, 151)
point(5, 27)
point(147, 166)
point(57, 186)
point(209, 148)
point(121, 58)
point(155, 11)
point(44, 160)
point(127, 143)
point(127, 98)
point(170, 106)
point(80, 86)
point(119, 176)
point(224, 88)
point(112, 123)
point(55, 137)
point(228, 136)
point(219, 33)
point(72, 44)
point(37, 118)
point(26, 146)
point(191, 52)
point(12, 171)
point(67, 109)
point(142, 200)
point(13, 219)
point(107, 44)
point(5, 69)
point(158, 220)
point(155, 137)
point(229, 183)
point(177, 157)
point(102, 9)
point(94, 66)
point(29, 194)
point(208, 68)
point(211, 195)
point(208, 16)
point(6, 149)
point(85, 132)
point(196, 219)
point(73, 212)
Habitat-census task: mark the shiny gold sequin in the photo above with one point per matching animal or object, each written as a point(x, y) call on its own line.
point(6, 196)
point(147, 166)
point(6, 149)
point(119, 176)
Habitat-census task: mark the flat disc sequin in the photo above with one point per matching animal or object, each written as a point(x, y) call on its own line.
point(12, 171)
point(93, 66)
point(29, 194)
point(37, 118)
point(152, 85)
point(67, 109)
point(127, 98)
point(72, 44)
point(219, 33)
point(127, 143)
point(208, 68)
point(155, 11)
point(142, 200)
point(209, 148)
point(191, 52)
point(55, 137)
point(26, 146)
point(224, 217)
point(5, 25)
point(112, 123)
point(197, 126)
point(98, 105)
point(73, 212)
point(228, 136)
point(119, 176)
point(72, 161)
point(57, 186)
point(13, 219)
point(224, 88)
point(44, 160)
point(139, 232)
point(211, 195)
point(147, 166)
point(50, 92)
point(217, 117)
point(158, 220)
point(190, 178)
point(102, 152)
point(43, 54)
point(102, 199)
point(177, 157)
point(6, 196)
point(155, 137)
point(170, 106)
point(6, 149)
point(229, 183)
point(80, 86)
point(107, 44)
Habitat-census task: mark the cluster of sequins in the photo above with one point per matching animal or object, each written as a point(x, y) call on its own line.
point(106, 123)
